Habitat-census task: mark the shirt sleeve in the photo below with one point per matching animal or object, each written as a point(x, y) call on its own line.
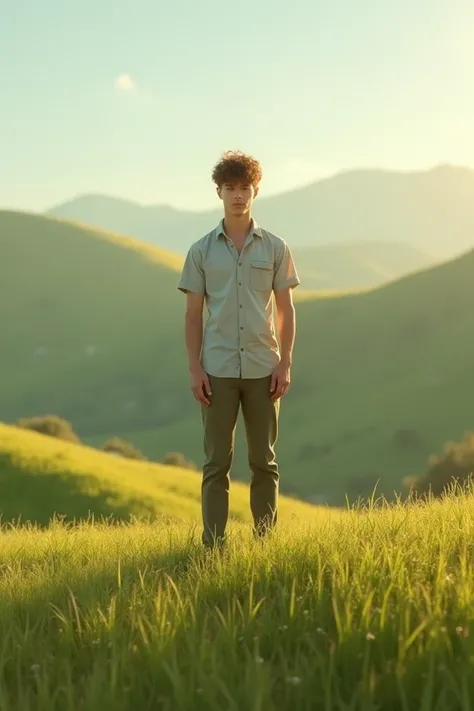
point(285, 270)
point(192, 275)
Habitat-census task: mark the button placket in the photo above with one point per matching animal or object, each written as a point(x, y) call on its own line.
point(240, 313)
point(240, 301)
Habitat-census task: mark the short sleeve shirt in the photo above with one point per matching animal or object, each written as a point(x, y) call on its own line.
point(239, 338)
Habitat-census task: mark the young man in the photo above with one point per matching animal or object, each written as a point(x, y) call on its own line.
point(235, 360)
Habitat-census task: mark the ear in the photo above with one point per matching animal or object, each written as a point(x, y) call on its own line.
point(219, 192)
point(255, 192)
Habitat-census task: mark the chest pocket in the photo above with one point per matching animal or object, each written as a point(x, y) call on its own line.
point(261, 276)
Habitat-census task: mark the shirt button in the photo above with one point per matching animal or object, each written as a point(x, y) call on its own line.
point(241, 328)
point(241, 349)
point(240, 283)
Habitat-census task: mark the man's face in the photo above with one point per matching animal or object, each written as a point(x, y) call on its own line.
point(237, 197)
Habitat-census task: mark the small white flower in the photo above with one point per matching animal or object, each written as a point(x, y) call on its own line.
point(320, 630)
point(259, 660)
point(283, 628)
point(293, 680)
point(370, 636)
point(35, 667)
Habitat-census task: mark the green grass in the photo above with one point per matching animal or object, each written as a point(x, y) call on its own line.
point(366, 364)
point(369, 610)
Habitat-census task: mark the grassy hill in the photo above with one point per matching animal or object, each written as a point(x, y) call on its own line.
point(381, 380)
point(363, 610)
point(89, 321)
point(359, 265)
point(92, 330)
point(432, 210)
point(42, 477)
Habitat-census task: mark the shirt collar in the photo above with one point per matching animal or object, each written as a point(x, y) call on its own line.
point(254, 230)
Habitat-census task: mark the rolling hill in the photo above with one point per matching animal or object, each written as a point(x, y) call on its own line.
point(381, 380)
point(356, 265)
point(42, 477)
point(432, 210)
point(92, 331)
point(89, 322)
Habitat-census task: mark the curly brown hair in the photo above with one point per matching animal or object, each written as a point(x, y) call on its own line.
point(237, 166)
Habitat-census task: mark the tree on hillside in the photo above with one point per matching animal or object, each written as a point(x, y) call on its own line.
point(122, 448)
point(51, 425)
point(454, 466)
point(177, 459)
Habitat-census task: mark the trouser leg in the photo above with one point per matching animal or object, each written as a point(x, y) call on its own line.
point(219, 421)
point(260, 416)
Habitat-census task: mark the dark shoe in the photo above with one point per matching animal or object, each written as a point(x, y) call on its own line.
point(214, 544)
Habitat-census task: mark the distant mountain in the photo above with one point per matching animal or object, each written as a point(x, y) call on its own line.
point(432, 210)
point(357, 265)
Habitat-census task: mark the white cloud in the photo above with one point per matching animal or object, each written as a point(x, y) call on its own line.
point(124, 82)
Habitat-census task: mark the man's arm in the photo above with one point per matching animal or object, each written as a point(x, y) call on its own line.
point(286, 325)
point(193, 337)
point(193, 284)
point(284, 281)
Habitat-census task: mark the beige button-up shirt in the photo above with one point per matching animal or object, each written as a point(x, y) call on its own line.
point(239, 339)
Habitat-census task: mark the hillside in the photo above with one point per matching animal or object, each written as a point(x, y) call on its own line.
point(356, 265)
point(381, 380)
point(41, 476)
point(432, 210)
point(89, 320)
point(93, 331)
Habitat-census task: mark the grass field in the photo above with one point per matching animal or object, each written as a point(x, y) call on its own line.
point(92, 330)
point(372, 609)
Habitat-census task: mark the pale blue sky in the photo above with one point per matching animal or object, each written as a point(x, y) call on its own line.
point(310, 88)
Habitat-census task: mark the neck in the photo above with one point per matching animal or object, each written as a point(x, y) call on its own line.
point(237, 226)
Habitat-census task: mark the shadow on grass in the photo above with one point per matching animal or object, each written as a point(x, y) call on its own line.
point(38, 498)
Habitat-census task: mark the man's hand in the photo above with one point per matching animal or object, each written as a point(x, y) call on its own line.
point(280, 381)
point(200, 385)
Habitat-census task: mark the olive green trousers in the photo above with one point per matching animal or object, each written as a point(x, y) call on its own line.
point(260, 416)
